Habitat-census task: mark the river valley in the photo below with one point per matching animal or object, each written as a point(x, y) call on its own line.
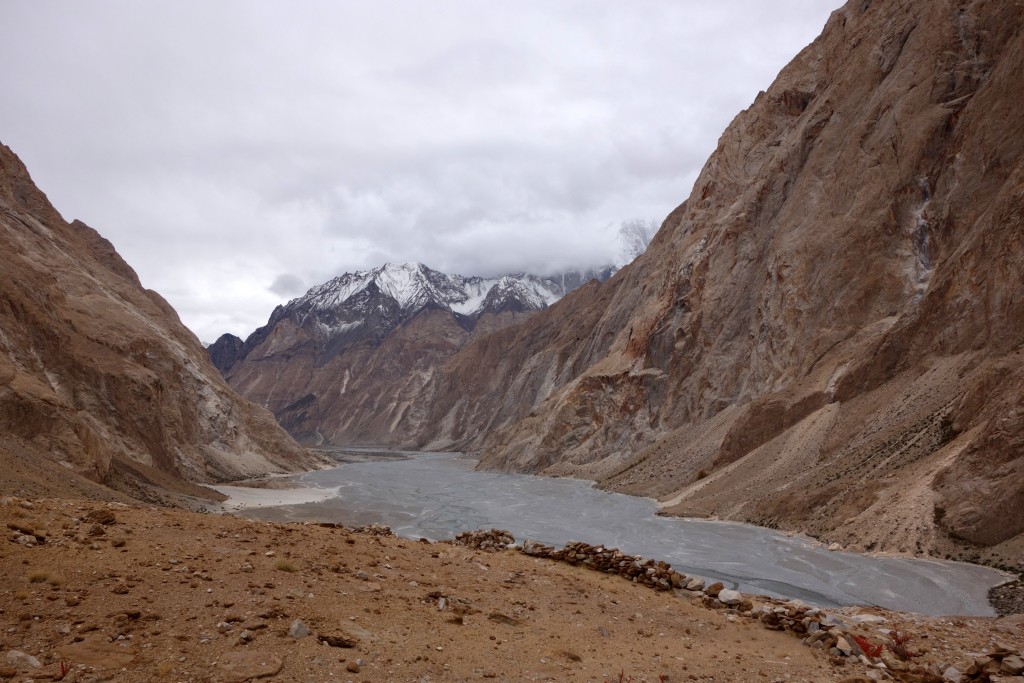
point(437, 495)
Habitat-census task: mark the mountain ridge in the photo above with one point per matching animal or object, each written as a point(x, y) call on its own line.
point(825, 335)
point(342, 363)
point(100, 383)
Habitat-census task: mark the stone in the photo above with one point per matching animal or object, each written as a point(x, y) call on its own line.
point(241, 665)
point(500, 618)
point(22, 659)
point(338, 640)
point(730, 597)
point(714, 589)
point(891, 661)
point(1012, 665)
point(952, 675)
point(868, 619)
point(298, 629)
point(352, 667)
point(695, 584)
point(99, 654)
point(104, 517)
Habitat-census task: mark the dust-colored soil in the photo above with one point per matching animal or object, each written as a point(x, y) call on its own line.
point(126, 593)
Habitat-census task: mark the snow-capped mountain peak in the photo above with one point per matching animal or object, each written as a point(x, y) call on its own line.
point(396, 291)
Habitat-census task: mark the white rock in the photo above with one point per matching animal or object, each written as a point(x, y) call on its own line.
point(867, 619)
point(298, 629)
point(730, 597)
point(952, 675)
point(22, 659)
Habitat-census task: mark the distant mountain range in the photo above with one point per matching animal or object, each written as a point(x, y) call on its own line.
point(368, 305)
point(336, 363)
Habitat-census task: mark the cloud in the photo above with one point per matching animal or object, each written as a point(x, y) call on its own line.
point(222, 145)
point(287, 284)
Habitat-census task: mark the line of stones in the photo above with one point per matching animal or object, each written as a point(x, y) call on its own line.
point(816, 629)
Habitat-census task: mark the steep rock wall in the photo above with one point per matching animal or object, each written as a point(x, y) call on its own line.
point(99, 376)
point(825, 334)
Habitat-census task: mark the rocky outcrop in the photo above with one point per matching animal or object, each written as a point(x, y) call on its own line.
point(99, 378)
point(346, 363)
point(825, 335)
point(225, 352)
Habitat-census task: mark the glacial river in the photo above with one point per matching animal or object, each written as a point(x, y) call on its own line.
point(437, 495)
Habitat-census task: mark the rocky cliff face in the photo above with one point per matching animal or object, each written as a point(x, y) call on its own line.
point(98, 377)
point(345, 362)
point(827, 333)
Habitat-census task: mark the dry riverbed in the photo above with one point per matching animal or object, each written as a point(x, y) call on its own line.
point(127, 593)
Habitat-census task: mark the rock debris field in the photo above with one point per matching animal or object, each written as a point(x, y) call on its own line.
point(110, 592)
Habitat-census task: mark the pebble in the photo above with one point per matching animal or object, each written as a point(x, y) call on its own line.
point(298, 629)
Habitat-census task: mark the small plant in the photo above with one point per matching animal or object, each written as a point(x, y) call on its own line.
point(285, 566)
point(65, 667)
point(872, 650)
point(898, 645)
point(38, 576)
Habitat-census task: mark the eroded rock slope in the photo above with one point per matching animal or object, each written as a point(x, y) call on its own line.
point(99, 380)
point(826, 334)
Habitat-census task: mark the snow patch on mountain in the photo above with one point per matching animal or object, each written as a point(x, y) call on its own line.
point(413, 286)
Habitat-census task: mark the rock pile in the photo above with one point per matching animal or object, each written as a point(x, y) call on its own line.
point(25, 535)
point(656, 574)
point(1002, 663)
point(374, 530)
point(838, 636)
point(490, 540)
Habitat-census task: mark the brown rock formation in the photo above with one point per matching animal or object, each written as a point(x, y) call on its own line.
point(826, 335)
point(98, 377)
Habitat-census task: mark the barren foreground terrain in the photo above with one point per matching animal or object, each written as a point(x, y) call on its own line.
point(127, 593)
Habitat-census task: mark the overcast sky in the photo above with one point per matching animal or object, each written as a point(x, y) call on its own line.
point(238, 152)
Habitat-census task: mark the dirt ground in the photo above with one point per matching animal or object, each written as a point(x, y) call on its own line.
point(130, 593)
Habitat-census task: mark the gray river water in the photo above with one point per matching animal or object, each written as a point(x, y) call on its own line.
point(438, 495)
